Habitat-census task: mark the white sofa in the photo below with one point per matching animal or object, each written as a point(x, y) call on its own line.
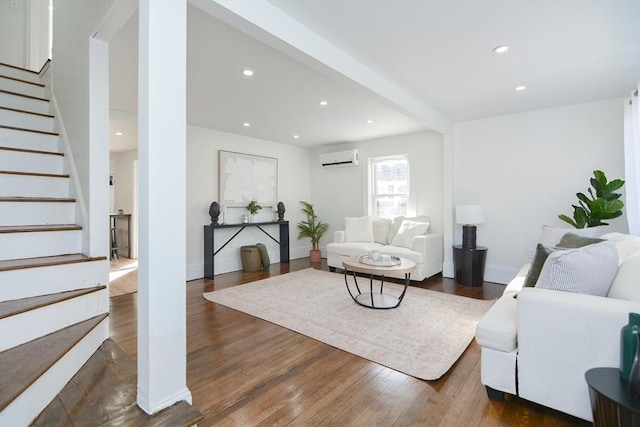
point(403, 237)
point(538, 343)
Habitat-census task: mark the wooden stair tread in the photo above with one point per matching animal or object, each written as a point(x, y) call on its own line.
point(47, 175)
point(26, 150)
point(23, 95)
point(13, 307)
point(104, 392)
point(21, 366)
point(22, 68)
point(38, 199)
point(28, 130)
point(17, 264)
point(20, 80)
point(26, 112)
point(38, 228)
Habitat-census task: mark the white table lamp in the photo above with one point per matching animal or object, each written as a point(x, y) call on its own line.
point(469, 216)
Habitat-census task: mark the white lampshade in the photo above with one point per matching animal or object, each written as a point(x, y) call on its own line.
point(274, 207)
point(223, 209)
point(470, 214)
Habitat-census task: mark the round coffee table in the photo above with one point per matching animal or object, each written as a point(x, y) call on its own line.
point(371, 299)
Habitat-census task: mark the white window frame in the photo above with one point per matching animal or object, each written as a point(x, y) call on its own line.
point(373, 196)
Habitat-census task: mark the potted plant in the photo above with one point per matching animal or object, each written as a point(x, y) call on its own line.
point(253, 207)
point(604, 204)
point(313, 229)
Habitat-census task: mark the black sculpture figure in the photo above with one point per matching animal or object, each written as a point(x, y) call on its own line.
point(214, 213)
point(280, 211)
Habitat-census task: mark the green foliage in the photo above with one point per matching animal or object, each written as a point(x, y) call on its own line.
point(253, 207)
point(312, 228)
point(593, 209)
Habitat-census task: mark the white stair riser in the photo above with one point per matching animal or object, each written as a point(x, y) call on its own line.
point(29, 282)
point(24, 409)
point(32, 324)
point(36, 213)
point(24, 103)
point(26, 120)
point(39, 244)
point(19, 74)
point(28, 140)
point(30, 162)
point(22, 87)
point(33, 186)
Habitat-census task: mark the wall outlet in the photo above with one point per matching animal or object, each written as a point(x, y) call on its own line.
point(532, 252)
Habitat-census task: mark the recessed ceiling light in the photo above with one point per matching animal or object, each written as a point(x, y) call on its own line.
point(520, 88)
point(323, 103)
point(296, 136)
point(118, 133)
point(247, 72)
point(501, 49)
point(246, 124)
point(369, 122)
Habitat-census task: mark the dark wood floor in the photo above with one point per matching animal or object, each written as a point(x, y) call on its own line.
point(245, 371)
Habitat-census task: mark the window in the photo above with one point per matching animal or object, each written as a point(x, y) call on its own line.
point(389, 186)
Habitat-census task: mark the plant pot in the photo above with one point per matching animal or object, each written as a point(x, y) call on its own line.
point(315, 255)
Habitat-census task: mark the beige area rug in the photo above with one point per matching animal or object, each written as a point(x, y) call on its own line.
point(423, 337)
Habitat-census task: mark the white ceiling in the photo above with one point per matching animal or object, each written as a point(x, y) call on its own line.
point(439, 52)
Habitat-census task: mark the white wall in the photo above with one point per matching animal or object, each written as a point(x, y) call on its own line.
point(39, 46)
point(341, 192)
point(294, 184)
point(123, 167)
point(24, 33)
point(13, 32)
point(526, 168)
point(75, 22)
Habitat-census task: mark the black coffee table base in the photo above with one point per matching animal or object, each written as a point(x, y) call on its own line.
point(373, 299)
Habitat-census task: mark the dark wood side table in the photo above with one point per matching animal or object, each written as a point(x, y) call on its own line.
point(469, 265)
point(611, 402)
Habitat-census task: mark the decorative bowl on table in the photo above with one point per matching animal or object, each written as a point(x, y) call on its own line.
point(382, 261)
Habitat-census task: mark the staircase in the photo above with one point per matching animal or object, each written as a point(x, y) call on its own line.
point(53, 306)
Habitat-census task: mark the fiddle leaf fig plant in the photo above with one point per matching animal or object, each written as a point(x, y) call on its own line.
point(602, 203)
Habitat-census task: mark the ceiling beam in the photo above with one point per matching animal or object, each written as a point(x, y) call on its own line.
point(118, 15)
point(267, 23)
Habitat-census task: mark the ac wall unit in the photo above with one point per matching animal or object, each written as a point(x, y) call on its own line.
point(340, 159)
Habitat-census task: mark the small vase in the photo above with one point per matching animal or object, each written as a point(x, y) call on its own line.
point(628, 344)
point(634, 375)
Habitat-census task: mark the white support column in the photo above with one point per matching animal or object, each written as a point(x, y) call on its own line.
point(162, 203)
point(97, 223)
point(448, 150)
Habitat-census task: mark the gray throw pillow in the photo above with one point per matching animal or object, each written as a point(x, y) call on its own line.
point(542, 252)
point(587, 270)
point(572, 241)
